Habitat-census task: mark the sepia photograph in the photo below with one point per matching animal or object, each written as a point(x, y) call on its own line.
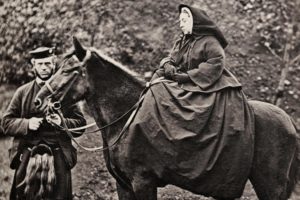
point(150, 100)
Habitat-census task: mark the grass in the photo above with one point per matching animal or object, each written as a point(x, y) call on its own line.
point(6, 93)
point(6, 174)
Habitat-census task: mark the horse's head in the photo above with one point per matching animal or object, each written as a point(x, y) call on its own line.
point(68, 85)
point(96, 76)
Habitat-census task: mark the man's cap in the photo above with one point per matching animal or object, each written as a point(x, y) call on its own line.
point(42, 52)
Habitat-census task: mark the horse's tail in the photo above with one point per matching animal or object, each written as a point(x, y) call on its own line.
point(295, 175)
point(40, 173)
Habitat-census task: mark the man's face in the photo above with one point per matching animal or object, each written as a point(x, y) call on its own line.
point(44, 67)
point(186, 22)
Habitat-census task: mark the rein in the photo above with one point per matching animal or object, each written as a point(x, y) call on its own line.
point(57, 105)
point(133, 109)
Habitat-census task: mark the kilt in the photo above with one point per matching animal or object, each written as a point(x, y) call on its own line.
point(63, 186)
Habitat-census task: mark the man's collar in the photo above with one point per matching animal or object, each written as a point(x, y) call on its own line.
point(39, 81)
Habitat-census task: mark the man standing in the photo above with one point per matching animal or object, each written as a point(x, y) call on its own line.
point(30, 130)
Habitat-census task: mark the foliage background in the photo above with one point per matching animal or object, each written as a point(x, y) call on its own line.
point(139, 34)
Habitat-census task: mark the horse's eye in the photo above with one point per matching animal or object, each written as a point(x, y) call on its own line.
point(68, 70)
point(65, 71)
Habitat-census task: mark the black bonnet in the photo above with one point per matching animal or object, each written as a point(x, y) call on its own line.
point(203, 25)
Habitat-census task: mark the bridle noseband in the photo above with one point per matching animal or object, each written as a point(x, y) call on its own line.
point(56, 105)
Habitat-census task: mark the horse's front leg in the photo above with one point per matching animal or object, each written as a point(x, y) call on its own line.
point(144, 189)
point(124, 193)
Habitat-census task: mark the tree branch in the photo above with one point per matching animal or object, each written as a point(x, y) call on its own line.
point(280, 89)
point(273, 52)
point(295, 59)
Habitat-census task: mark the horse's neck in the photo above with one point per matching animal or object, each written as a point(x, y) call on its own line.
point(112, 93)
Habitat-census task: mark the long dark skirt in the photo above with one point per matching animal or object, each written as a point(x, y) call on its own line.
point(63, 187)
point(201, 142)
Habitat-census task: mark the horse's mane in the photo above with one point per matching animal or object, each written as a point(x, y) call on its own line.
point(130, 73)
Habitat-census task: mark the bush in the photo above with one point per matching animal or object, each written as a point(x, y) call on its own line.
point(29, 24)
point(137, 33)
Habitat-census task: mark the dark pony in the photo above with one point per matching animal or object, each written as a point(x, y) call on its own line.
point(110, 91)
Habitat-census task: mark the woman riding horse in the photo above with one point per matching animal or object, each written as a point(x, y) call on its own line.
point(202, 115)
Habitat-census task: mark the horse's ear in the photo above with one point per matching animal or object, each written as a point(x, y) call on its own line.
point(80, 52)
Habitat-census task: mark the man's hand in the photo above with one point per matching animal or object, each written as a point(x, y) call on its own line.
point(181, 77)
point(54, 119)
point(170, 70)
point(35, 123)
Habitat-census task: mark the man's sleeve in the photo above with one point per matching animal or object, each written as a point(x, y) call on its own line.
point(12, 123)
point(74, 118)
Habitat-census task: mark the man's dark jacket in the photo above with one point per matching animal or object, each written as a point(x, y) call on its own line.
point(16, 120)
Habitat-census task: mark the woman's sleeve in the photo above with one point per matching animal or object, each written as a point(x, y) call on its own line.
point(169, 57)
point(207, 73)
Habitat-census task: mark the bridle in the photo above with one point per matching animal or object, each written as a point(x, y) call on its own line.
point(56, 107)
point(69, 84)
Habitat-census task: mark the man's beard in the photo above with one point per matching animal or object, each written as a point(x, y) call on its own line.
point(45, 78)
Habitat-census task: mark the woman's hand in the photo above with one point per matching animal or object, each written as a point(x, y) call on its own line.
point(181, 77)
point(170, 70)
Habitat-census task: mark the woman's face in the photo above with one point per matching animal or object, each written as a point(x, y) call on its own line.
point(186, 21)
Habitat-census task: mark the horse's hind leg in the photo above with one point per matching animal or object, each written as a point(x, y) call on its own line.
point(269, 173)
point(295, 193)
point(274, 166)
point(124, 193)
